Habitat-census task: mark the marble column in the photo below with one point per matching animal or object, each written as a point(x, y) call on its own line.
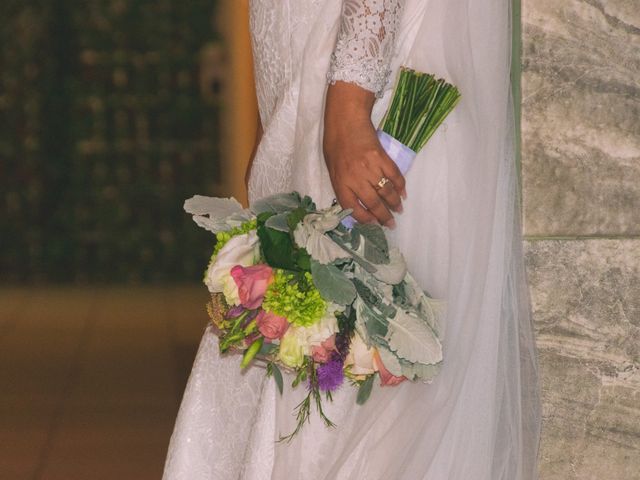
point(581, 205)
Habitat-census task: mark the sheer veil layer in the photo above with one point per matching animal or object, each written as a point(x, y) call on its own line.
point(461, 235)
point(460, 232)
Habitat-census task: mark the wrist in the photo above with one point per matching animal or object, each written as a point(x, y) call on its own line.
point(350, 101)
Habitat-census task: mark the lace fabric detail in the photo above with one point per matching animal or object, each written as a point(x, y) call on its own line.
point(277, 26)
point(366, 42)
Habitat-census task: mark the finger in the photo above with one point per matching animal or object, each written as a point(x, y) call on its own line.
point(348, 199)
point(393, 173)
point(386, 190)
point(390, 196)
point(374, 203)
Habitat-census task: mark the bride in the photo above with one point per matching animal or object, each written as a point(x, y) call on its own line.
point(324, 73)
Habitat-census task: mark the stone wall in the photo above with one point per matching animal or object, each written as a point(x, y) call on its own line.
point(581, 201)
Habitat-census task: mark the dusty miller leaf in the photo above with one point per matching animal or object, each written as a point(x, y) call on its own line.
point(278, 222)
point(278, 203)
point(394, 270)
point(332, 283)
point(215, 207)
point(412, 339)
point(376, 248)
point(216, 214)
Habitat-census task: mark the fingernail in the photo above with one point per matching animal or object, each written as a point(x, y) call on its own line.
point(391, 224)
point(400, 208)
point(404, 194)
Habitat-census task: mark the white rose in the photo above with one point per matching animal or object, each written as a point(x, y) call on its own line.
point(240, 250)
point(360, 357)
point(318, 332)
point(230, 290)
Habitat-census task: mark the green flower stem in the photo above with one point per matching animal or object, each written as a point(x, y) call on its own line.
point(235, 333)
point(251, 352)
point(419, 106)
point(251, 328)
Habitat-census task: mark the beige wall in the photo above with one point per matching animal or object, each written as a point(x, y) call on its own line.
point(581, 193)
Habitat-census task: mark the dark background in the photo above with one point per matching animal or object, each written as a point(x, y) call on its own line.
point(106, 125)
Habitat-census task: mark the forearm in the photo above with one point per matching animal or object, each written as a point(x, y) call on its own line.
point(348, 107)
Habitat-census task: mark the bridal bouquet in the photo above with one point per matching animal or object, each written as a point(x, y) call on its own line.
point(312, 292)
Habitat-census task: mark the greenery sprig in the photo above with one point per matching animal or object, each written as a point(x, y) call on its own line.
point(303, 409)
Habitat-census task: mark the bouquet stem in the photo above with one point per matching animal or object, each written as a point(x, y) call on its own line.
point(419, 105)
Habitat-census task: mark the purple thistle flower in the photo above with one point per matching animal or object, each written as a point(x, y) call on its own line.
point(330, 375)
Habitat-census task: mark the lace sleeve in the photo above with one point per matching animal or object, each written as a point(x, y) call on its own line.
point(365, 44)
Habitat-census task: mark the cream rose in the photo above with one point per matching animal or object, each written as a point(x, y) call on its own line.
point(291, 352)
point(360, 357)
point(240, 250)
point(230, 290)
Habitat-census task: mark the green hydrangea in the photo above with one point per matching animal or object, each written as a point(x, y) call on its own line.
point(294, 297)
point(223, 237)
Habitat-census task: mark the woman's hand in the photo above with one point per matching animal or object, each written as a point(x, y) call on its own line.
point(356, 160)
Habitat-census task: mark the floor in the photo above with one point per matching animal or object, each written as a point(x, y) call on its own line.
point(91, 379)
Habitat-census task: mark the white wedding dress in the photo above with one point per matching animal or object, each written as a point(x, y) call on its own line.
point(479, 419)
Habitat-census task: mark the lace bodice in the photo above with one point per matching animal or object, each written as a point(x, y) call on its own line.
point(366, 43)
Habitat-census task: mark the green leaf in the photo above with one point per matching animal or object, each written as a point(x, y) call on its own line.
point(277, 376)
point(268, 349)
point(364, 392)
point(277, 248)
point(332, 283)
point(376, 247)
point(308, 204)
point(303, 259)
point(295, 217)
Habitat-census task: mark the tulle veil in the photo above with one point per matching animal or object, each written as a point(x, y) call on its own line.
point(461, 235)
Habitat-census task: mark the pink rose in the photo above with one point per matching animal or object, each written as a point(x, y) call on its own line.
point(386, 377)
point(252, 283)
point(270, 325)
point(330, 343)
point(322, 353)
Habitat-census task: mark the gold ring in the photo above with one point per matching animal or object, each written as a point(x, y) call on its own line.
point(383, 181)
